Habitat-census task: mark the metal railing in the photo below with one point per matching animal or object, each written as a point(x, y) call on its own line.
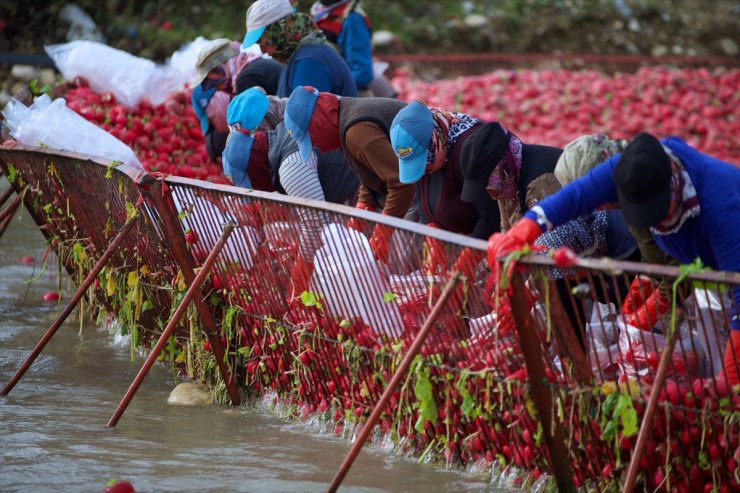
point(544, 380)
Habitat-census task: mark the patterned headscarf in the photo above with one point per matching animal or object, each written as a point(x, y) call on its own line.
point(584, 153)
point(683, 193)
point(448, 127)
point(289, 33)
point(503, 184)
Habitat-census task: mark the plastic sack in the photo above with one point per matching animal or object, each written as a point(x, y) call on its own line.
point(602, 337)
point(640, 351)
point(54, 125)
point(129, 78)
point(241, 246)
point(709, 307)
point(350, 281)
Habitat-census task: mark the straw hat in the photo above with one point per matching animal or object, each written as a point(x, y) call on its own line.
point(211, 56)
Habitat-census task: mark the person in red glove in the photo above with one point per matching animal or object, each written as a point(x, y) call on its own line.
point(360, 128)
point(666, 186)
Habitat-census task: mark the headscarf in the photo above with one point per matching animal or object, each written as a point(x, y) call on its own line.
point(584, 153)
point(290, 33)
point(448, 127)
point(321, 8)
point(324, 126)
point(216, 110)
point(245, 161)
point(503, 184)
point(683, 193)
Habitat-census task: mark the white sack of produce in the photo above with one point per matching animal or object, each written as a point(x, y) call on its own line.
point(54, 125)
point(129, 78)
point(350, 281)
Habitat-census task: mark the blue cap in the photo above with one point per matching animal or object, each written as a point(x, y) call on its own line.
point(253, 36)
point(200, 100)
point(411, 133)
point(235, 158)
point(247, 110)
point(298, 113)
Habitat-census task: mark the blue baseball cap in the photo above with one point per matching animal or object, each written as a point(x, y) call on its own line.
point(411, 132)
point(261, 14)
point(298, 113)
point(200, 100)
point(247, 110)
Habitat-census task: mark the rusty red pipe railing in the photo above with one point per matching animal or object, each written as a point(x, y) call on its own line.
point(6, 194)
point(89, 279)
point(395, 380)
point(153, 189)
point(9, 211)
point(167, 332)
point(541, 394)
point(647, 421)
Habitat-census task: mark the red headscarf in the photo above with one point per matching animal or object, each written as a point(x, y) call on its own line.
point(324, 126)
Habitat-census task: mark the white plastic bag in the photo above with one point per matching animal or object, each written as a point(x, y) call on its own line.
point(129, 78)
point(54, 125)
point(207, 221)
point(711, 330)
point(352, 285)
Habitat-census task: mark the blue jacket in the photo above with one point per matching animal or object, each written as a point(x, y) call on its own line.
point(355, 43)
point(713, 236)
point(319, 66)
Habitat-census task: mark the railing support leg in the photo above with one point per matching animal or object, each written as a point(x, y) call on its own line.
point(89, 279)
point(647, 421)
point(167, 332)
point(153, 189)
point(395, 381)
point(541, 394)
point(6, 215)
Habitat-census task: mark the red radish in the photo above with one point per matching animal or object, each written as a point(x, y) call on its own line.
point(564, 257)
point(27, 259)
point(120, 487)
point(51, 296)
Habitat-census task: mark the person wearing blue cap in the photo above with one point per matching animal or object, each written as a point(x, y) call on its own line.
point(292, 38)
point(224, 72)
point(427, 143)
point(270, 161)
point(360, 128)
point(666, 186)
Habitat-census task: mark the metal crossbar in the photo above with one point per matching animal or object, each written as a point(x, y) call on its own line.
point(544, 379)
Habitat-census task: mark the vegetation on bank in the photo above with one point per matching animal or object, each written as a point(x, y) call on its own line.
point(154, 29)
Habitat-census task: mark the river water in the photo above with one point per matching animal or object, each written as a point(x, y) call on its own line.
point(53, 434)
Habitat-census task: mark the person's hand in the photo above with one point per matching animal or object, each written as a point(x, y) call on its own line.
point(639, 291)
point(524, 232)
point(646, 316)
point(379, 241)
point(732, 357)
point(436, 261)
point(359, 224)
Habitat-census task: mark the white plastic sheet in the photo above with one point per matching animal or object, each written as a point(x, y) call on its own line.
point(54, 125)
point(129, 78)
point(353, 286)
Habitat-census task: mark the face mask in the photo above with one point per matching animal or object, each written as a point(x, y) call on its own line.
point(236, 158)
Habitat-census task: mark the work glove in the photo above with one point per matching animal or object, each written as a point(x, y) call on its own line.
point(646, 316)
point(359, 224)
point(379, 241)
point(524, 232)
point(436, 260)
point(640, 290)
point(300, 275)
point(732, 357)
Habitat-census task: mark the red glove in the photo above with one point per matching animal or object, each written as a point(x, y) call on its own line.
point(639, 292)
point(524, 232)
point(300, 275)
point(731, 360)
point(379, 241)
point(648, 314)
point(436, 260)
point(359, 224)
point(467, 261)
